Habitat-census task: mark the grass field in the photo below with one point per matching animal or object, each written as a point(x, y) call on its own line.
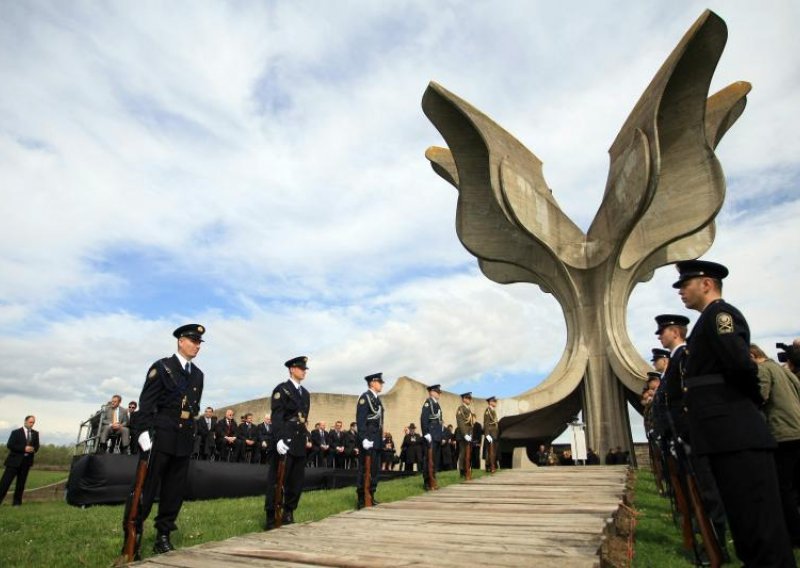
point(40, 478)
point(55, 534)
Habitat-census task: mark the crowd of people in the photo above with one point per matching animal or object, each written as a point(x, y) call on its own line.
point(723, 424)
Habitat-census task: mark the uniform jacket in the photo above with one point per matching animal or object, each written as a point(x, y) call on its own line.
point(722, 381)
point(491, 424)
point(168, 405)
point(16, 448)
point(369, 419)
point(465, 419)
point(431, 421)
point(290, 416)
point(672, 381)
point(780, 388)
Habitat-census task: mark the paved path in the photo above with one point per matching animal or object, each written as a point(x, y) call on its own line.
point(547, 517)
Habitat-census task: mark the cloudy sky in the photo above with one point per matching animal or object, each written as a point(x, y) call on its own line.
point(259, 168)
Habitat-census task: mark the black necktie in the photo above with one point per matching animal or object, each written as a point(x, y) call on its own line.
point(188, 368)
point(28, 436)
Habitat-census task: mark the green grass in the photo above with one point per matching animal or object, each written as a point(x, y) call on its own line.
point(658, 539)
point(55, 534)
point(40, 478)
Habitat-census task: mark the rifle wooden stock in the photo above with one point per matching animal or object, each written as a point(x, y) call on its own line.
point(656, 461)
point(280, 479)
point(468, 461)
point(490, 453)
point(431, 468)
point(682, 504)
point(368, 478)
point(130, 544)
point(710, 538)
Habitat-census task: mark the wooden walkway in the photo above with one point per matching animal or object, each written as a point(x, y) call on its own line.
point(547, 517)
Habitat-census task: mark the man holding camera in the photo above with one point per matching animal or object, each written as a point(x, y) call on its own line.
point(722, 400)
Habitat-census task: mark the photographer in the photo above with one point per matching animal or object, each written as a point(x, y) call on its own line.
point(780, 390)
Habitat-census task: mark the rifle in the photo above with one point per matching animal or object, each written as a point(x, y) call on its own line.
point(468, 461)
point(710, 538)
point(280, 479)
point(132, 524)
point(656, 462)
point(492, 464)
point(368, 478)
point(682, 505)
point(431, 471)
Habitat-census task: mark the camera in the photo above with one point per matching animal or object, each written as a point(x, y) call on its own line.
point(788, 353)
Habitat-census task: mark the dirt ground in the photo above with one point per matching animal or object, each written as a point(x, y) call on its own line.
point(617, 545)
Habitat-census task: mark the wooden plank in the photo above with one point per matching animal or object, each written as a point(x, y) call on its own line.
point(549, 516)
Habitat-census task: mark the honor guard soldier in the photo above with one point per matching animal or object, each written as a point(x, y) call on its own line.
point(291, 403)
point(432, 425)
point(491, 432)
point(369, 420)
point(722, 400)
point(168, 405)
point(465, 420)
point(660, 358)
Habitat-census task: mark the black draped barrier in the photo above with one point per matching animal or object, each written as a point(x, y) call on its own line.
point(106, 479)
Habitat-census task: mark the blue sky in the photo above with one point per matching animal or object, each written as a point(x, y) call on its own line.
point(259, 168)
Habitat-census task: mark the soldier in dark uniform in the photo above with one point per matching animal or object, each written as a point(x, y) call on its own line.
point(722, 400)
point(432, 431)
point(291, 403)
point(672, 331)
point(369, 421)
point(491, 432)
point(168, 405)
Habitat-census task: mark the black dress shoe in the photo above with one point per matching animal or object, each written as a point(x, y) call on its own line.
point(288, 518)
point(360, 505)
point(270, 522)
point(162, 544)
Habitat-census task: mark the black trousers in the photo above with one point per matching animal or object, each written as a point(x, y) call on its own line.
point(375, 467)
point(748, 485)
point(787, 458)
point(437, 456)
point(21, 473)
point(166, 476)
point(292, 484)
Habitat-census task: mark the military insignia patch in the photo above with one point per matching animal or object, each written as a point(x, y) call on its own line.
point(724, 323)
point(361, 400)
point(426, 404)
point(276, 396)
point(152, 373)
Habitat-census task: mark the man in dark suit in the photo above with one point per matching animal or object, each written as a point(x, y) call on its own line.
point(265, 439)
point(22, 444)
point(336, 438)
point(247, 437)
point(227, 442)
point(369, 420)
point(722, 408)
point(351, 449)
point(291, 403)
point(205, 442)
point(320, 445)
point(168, 405)
point(432, 425)
point(413, 448)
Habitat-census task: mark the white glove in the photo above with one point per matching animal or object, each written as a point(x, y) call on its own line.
point(282, 447)
point(144, 441)
point(367, 444)
point(428, 437)
point(467, 437)
point(489, 439)
point(263, 444)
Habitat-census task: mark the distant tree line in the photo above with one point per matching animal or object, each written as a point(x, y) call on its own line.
point(48, 455)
